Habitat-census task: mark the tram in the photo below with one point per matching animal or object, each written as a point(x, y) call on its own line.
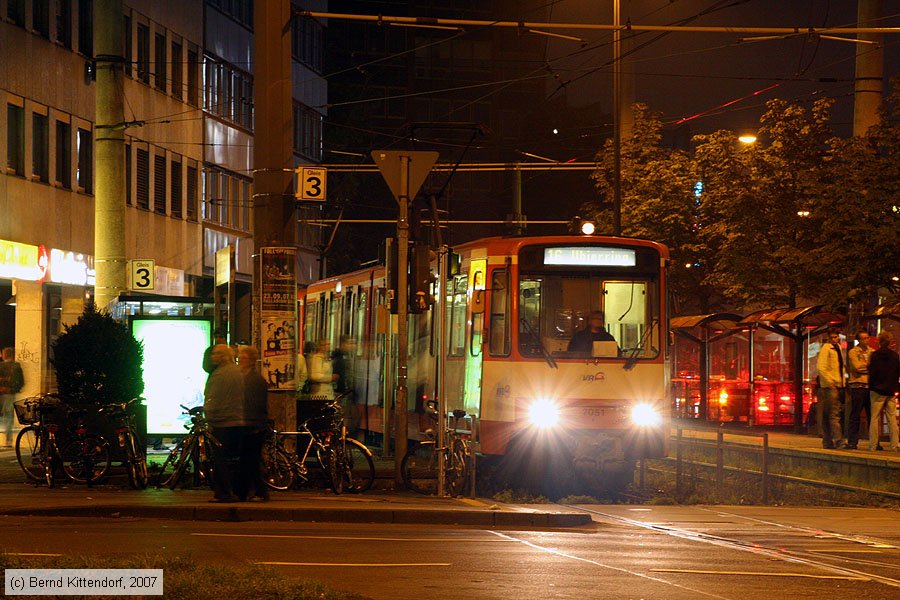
point(544, 418)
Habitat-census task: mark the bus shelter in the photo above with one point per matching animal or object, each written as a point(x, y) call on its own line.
point(755, 370)
point(709, 355)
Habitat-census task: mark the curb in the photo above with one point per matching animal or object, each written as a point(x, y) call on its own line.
point(483, 518)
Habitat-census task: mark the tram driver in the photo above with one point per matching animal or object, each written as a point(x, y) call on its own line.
point(583, 342)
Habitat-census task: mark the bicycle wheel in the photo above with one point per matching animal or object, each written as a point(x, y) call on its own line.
point(419, 468)
point(328, 460)
point(86, 459)
point(29, 453)
point(277, 470)
point(457, 473)
point(356, 466)
point(166, 476)
point(135, 463)
point(51, 461)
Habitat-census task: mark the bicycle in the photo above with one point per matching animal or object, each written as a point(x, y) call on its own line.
point(346, 462)
point(36, 449)
point(85, 456)
point(191, 455)
point(122, 417)
point(419, 468)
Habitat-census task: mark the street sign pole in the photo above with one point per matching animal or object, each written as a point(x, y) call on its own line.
point(404, 172)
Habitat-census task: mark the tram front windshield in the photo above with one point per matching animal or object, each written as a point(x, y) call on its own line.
point(560, 287)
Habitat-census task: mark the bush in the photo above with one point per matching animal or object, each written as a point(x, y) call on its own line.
point(98, 361)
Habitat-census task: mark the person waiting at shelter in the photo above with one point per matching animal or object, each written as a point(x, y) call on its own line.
point(858, 369)
point(884, 374)
point(224, 408)
point(830, 364)
point(583, 341)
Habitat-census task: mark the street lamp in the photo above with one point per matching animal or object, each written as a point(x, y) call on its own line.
point(747, 138)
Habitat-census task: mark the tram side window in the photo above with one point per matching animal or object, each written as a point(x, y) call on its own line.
point(499, 334)
point(457, 314)
point(530, 317)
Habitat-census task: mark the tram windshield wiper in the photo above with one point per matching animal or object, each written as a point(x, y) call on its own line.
point(538, 343)
point(632, 357)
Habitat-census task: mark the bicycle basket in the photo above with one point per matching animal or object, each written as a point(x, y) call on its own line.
point(26, 411)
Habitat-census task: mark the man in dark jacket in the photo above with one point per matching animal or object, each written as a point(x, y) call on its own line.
point(583, 341)
point(884, 383)
point(224, 408)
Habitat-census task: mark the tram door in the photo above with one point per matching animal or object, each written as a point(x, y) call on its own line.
point(474, 354)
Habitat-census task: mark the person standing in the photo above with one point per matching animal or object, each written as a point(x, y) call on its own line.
point(249, 482)
point(884, 374)
point(321, 375)
point(830, 364)
point(11, 381)
point(224, 407)
point(858, 369)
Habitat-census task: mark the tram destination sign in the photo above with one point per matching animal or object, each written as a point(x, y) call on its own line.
point(588, 256)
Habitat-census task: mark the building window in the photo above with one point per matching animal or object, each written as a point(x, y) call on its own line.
point(142, 180)
point(40, 17)
point(128, 174)
point(15, 12)
point(228, 92)
point(85, 174)
point(143, 53)
point(64, 22)
point(239, 10)
point(129, 51)
point(192, 78)
point(86, 27)
point(191, 195)
point(307, 132)
point(177, 70)
point(161, 62)
point(245, 205)
point(40, 147)
point(308, 43)
point(15, 139)
point(176, 191)
point(63, 154)
point(159, 184)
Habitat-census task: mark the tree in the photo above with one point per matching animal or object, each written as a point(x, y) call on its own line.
point(659, 202)
point(98, 361)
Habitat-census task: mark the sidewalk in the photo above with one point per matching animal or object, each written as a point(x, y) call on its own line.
point(312, 505)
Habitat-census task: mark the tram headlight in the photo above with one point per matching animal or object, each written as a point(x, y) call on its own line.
point(543, 413)
point(645, 415)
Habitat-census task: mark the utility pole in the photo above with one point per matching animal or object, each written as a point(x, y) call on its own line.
point(617, 120)
point(274, 218)
point(109, 189)
point(869, 68)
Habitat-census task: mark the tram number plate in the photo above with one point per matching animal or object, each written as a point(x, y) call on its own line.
point(598, 416)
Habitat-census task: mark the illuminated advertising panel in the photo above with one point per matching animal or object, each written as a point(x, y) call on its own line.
point(173, 368)
point(22, 261)
point(589, 256)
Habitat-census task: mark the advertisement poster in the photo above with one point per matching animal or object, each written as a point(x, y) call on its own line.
point(278, 317)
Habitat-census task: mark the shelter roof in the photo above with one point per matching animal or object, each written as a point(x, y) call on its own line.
point(712, 321)
point(886, 311)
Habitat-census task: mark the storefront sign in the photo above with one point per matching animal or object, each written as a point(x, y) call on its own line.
point(72, 268)
point(23, 261)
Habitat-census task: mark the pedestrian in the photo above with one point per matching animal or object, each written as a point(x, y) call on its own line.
point(321, 374)
point(830, 364)
point(11, 382)
point(583, 341)
point(224, 407)
point(218, 338)
point(249, 482)
point(858, 370)
point(884, 373)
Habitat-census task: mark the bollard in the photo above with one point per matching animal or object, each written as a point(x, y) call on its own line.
point(678, 463)
point(765, 468)
point(720, 460)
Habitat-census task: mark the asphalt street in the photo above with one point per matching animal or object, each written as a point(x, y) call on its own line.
point(663, 552)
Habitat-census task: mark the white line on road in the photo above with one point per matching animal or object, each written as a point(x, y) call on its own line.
point(312, 564)
point(760, 574)
point(593, 562)
point(354, 538)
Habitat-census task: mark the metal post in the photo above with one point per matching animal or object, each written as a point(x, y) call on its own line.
point(720, 459)
point(617, 120)
point(678, 466)
point(765, 469)
point(401, 402)
point(439, 308)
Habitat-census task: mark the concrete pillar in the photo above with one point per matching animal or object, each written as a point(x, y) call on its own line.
point(109, 144)
point(869, 67)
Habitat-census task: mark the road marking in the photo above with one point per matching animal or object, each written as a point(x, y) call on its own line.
point(312, 564)
point(350, 537)
point(840, 551)
point(604, 566)
point(760, 574)
point(28, 554)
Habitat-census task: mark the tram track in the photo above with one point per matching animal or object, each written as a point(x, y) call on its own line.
point(798, 557)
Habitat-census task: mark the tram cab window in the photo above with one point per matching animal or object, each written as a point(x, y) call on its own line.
point(499, 334)
point(552, 307)
point(457, 300)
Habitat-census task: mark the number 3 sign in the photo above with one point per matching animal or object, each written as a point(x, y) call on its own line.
point(143, 275)
point(311, 184)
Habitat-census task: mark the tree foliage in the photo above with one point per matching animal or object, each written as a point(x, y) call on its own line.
point(799, 216)
point(98, 361)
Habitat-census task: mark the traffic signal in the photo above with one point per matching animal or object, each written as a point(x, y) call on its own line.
point(421, 279)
